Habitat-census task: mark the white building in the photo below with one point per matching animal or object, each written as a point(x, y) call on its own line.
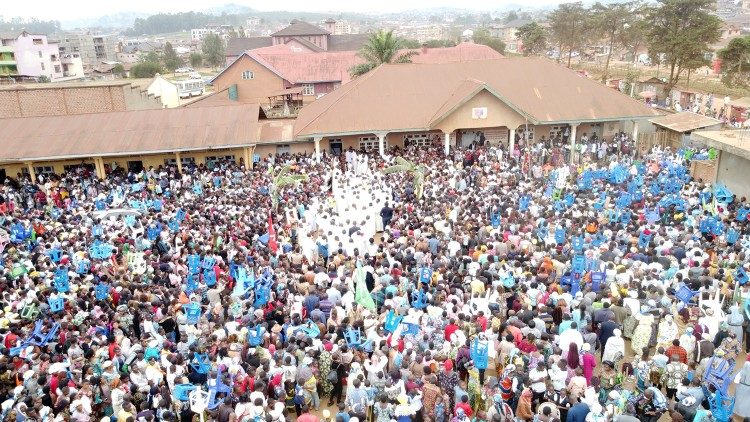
point(165, 91)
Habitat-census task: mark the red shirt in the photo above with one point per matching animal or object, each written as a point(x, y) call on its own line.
point(461, 405)
point(307, 417)
point(449, 330)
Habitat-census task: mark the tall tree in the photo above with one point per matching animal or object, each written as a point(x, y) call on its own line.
point(482, 36)
point(381, 47)
point(611, 22)
point(170, 58)
point(213, 50)
point(569, 28)
point(634, 37)
point(681, 32)
point(534, 39)
point(196, 60)
point(735, 62)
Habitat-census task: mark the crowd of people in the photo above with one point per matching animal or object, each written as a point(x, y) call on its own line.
point(461, 288)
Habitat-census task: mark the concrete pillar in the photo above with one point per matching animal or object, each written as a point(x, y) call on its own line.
point(178, 158)
point(511, 142)
point(32, 173)
point(317, 149)
point(447, 146)
point(573, 141)
point(381, 143)
point(635, 131)
point(100, 172)
point(247, 157)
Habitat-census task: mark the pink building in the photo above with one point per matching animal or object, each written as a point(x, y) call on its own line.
point(34, 55)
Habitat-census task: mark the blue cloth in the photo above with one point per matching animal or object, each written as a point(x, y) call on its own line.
point(578, 413)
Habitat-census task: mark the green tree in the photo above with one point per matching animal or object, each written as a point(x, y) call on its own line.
point(569, 26)
point(682, 31)
point(534, 39)
point(147, 67)
point(213, 50)
point(43, 79)
point(634, 37)
point(511, 16)
point(610, 22)
point(439, 43)
point(196, 60)
point(170, 58)
point(118, 69)
point(409, 43)
point(381, 47)
point(735, 62)
point(280, 180)
point(417, 173)
point(482, 36)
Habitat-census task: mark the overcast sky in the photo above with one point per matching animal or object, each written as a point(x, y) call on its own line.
point(75, 9)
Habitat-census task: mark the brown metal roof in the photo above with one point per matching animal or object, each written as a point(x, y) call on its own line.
point(409, 96)
point(300, 28)
point(129, 132)
point(237, 46)
point(287, 91)
point(685, 121)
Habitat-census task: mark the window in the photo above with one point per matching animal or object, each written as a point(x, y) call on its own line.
point(40, 54)
point(556, 131)
point(522, 130)
point(38, 41)
point(212, 161)
point(42, 65)
point(368, 143)
point(248, 74)
point(308, 89)
point(419, 140)
point(57, 69)
point(283, 149)
point(44, 170)
point(186, 161)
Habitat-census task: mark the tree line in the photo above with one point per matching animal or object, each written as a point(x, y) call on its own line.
point(677, 34)
point(169, 22)
point(212, 54)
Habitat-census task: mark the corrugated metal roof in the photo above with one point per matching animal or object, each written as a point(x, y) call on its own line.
point(300, 28)
point(409, 96)
point(129, 132)
point(237, 46)
point(685, 121)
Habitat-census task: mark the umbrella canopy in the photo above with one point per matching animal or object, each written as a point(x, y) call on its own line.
point(647, 94)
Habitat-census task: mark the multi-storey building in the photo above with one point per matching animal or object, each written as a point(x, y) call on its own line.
point(92, 49)
point(26, 54)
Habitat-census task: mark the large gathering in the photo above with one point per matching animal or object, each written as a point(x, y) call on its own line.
point(482, 285)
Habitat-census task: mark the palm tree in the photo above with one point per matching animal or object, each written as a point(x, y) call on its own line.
point(417, 172)
point(381, 47)
point(280, 180)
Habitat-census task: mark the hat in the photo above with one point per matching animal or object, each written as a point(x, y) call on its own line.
point(586, 347)
point(448, 365)
point(402, 399)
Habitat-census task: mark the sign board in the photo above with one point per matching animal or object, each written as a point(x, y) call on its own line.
point(479, 113)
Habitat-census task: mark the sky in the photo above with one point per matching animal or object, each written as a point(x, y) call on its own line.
point(76, 9)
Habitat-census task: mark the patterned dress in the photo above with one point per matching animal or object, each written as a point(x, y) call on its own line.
point(324, 363)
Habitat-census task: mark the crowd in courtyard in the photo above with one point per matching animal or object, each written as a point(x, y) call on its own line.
point(501, 288)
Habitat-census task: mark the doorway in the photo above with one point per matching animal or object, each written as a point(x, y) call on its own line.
point(336, 146)
point(135, 166)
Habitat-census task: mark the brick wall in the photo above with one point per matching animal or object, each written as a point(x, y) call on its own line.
point(62, 101)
